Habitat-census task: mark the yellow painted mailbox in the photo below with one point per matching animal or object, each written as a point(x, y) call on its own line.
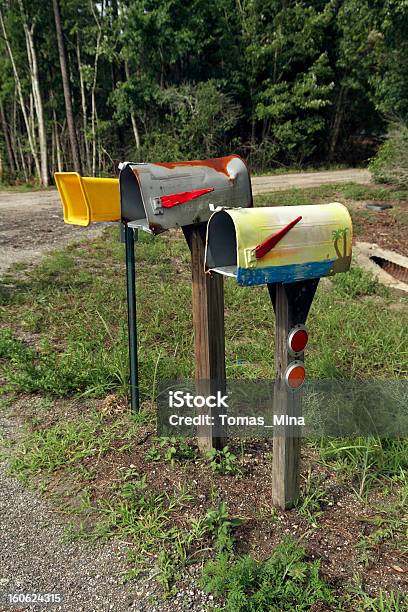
point(280, 244)
point(288, 248)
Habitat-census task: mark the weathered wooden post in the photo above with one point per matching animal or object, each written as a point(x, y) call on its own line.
point(291, 303)
point(209, 335)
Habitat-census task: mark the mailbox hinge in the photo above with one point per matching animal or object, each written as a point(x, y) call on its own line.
point(250, 257)
point(157, 206)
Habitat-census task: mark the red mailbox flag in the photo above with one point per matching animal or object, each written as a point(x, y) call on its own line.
point(168, 201)
point(264, 247)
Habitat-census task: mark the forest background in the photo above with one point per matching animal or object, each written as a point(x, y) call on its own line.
point(284, 83)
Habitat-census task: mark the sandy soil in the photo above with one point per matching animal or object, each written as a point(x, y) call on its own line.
point(31, 223)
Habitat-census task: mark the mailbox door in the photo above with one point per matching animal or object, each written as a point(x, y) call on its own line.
point(157, 197)
point(87, 199)
point(279, 244)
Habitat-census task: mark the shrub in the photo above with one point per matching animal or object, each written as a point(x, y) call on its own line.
point(391, 162)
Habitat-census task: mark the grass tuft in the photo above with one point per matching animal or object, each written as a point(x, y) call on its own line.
point(285, 581)
point(357, 283)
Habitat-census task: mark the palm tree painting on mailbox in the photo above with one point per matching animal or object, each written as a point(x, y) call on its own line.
point(279, 244)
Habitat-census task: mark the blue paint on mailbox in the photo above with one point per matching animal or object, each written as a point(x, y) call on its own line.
point(284, 274)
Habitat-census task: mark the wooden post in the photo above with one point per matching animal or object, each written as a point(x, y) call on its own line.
point(291, 302)
point(286, 445)
point(209, 335)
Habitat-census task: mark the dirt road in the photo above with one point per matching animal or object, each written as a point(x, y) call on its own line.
point(280, 182)
point(31, 223)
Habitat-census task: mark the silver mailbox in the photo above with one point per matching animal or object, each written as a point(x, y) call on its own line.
point(157, 197)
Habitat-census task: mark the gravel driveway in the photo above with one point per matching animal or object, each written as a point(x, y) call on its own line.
point(31, 224)
point(35, 558)
point(280, 182)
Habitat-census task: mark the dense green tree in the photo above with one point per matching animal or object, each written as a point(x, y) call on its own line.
point(280, 82)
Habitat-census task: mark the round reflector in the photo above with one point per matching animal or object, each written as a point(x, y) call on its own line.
point(297, 340)
point(295, 375)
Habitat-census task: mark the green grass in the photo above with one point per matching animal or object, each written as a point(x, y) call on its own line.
point(366, 461)
point(357, 283)
point(146, 518)
point(330, 193)
point(68, 442)
point(384, 602)
point(312, 497)
point(298, 169)
point(63, 328)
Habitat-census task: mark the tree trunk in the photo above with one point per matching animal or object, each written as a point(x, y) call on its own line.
point(10, 153)
point(93, 108)
point(63, 146)
point(38, 103)
point(53, 149)
point(84, 110)
point(337, 121)
point(132, 116)
point(13, 132)
point(93, 98)
point(67, 89)
point(35, 83)
point(23, 161)
point(42, 132)
point(31, 140)
point(57, 143)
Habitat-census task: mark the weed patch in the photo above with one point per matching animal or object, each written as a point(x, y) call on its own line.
point(223, 461)
point(358, 282)
point(285, 581)
point(171, 449)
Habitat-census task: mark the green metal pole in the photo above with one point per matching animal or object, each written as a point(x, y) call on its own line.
point(132, 327)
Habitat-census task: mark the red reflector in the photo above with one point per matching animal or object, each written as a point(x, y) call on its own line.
point(297, 339)
point(295, 375)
